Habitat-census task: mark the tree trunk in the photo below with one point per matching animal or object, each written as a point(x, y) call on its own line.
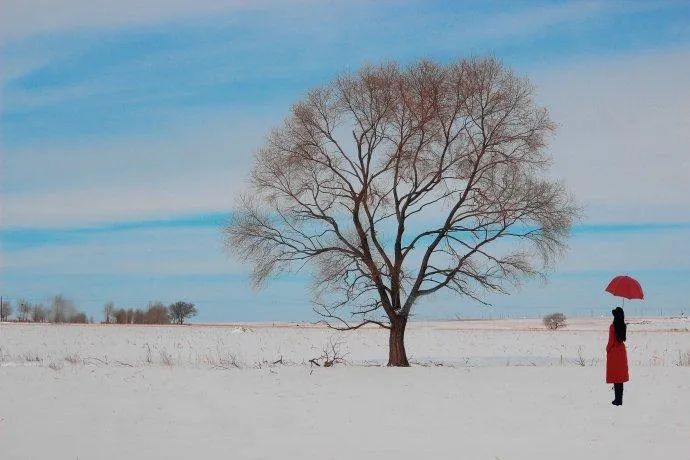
point(396, 344)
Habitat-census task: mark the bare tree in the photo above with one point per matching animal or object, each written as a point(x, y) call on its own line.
point(181, 311)
point(23, 310)
point(78, 317)
point(38, 313)
point(62, 310)
point(5, 310)
point(394, 184)
point(109, 313)
point(156, 313)
point(120, 316)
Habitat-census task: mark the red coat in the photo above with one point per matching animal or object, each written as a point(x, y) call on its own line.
point(616, 359)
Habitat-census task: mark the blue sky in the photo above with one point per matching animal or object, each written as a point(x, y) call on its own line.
point(127, 128)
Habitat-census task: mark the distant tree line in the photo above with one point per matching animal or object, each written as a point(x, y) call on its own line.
point(62, 310)
point(155, 313)
point(59, 310)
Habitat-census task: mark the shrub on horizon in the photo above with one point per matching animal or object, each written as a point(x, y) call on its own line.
point(554, 321)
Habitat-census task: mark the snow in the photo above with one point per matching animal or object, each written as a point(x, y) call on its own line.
point(505, 389)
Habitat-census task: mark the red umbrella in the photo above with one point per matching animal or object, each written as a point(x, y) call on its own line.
point(626, 287)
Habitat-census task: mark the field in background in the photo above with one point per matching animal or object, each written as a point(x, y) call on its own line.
point(653, 342)
point(504, 389)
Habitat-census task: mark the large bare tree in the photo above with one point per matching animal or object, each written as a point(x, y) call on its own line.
point(396, 183)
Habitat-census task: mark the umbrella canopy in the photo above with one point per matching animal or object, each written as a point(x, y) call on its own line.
point(626, 287)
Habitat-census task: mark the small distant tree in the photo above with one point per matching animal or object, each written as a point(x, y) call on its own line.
point(109, 313)
point(180, 311)
point(38, 313)
point(157, 313)
point(554, 321)
point(61, 309)
point(120, 316)
point(23, 310)
point(138, 316)
point(5, 310)
point(79, 318)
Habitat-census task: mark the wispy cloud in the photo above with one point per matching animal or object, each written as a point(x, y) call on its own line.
point(621, 144)
point(628, 227)
point(22, 18)
point(15, 238)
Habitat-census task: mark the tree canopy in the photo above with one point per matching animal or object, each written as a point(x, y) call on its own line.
point(394, 183)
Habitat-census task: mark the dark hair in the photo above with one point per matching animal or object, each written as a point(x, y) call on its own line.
point(619, 323)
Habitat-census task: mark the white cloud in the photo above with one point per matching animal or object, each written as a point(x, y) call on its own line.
point(193, 167)
point(163, 252)
point(623, 141)
point(160, 198)
point(28, 99)
point(648, 250)
point(22, 18)
point(539, 18)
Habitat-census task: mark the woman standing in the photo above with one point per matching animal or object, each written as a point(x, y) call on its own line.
point(616, 356)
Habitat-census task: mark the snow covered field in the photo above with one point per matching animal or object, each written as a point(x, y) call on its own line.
point(505, 389)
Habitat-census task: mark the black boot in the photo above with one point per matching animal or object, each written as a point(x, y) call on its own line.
point(618, 391)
